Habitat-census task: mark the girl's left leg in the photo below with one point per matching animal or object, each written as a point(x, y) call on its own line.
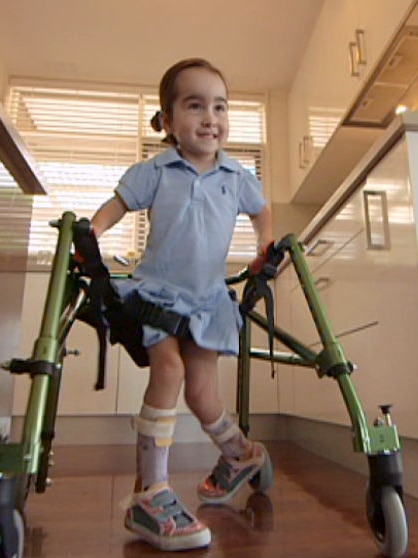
point(241, 459)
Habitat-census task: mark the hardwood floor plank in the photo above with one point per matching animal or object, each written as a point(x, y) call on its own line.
point(314, 510)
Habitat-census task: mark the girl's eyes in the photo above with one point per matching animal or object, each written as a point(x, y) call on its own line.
point(221, 108)
point(196, 106)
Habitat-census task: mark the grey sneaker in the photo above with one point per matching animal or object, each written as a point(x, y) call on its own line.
point(158, 516)
point(229, 475)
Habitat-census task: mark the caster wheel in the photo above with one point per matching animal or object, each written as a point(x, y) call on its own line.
point(12, 536)
point(263, 479)
point(387, 519)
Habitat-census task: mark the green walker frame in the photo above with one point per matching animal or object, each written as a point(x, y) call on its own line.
point(379, 441)
point(25, 464)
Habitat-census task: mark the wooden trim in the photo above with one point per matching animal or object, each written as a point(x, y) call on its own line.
point(17, 158)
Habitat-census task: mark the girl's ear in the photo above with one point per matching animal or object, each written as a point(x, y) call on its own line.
point(166, 123)
point(170, 138)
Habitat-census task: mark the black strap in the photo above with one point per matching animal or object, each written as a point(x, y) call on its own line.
point(115, 319)
point(127, 316)
point(89, 261)
point(161, 318)
point(257, 288)
point(91, 313)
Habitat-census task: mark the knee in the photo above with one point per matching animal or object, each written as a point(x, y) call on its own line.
point(166, 362)
point(170, 370)
point(203, 401)
point(193, 397)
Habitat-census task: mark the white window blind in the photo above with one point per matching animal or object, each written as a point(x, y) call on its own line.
point(15, 214)
point(83, 142)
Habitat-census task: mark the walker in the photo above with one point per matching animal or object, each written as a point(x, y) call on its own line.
point(25, 464)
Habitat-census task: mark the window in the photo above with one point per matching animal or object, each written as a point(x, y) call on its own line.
point(83, 141)
point(15, 211)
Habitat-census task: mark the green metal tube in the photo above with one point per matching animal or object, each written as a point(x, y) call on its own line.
point(46, 346)
point(361, 436)
point(311, 294)
point(279, 357)
point(333, 353)
point(284, 337)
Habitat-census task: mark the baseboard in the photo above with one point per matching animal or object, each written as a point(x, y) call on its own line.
point(99, 430)
point(334, 442)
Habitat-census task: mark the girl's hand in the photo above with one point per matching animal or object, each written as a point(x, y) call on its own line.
point(261, 259)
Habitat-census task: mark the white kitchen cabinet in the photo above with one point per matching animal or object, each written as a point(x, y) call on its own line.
point(380, 19)
point(323, 87)
point(327, 84)
point(370, 292)
point(77, 395)
point(329, 245)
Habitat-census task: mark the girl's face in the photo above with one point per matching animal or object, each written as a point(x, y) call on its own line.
point(199, 119)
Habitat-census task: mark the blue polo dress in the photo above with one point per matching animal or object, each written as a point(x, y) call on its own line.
point(192, 220)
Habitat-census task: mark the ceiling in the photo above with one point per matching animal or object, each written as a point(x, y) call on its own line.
point(257, 44)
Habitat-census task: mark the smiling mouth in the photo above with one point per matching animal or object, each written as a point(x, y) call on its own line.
point(208, 135)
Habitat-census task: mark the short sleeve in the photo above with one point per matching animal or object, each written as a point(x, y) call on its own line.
point(251, 199)
point(138, 185)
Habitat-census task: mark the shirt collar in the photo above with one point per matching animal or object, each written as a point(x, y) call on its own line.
point(171, 157)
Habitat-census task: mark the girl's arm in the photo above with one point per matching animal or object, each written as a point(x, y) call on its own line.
point(110, 213)
point(263, 228)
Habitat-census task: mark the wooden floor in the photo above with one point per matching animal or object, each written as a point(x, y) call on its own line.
point(315, 509)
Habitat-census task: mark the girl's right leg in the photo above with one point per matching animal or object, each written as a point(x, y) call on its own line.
point(156, 513)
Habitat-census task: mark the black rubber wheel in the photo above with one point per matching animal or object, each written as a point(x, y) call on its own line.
point(12, 536)
point(387, 519)
point(264, 478)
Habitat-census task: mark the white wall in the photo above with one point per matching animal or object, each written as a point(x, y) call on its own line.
point(287, 217)
point(12, 281)
point(278, 166)
point(3, 80)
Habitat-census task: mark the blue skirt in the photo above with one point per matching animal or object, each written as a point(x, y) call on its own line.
point(215, 319)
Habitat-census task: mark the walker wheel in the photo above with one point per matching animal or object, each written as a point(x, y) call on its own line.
point(263, 479)
point(12, 537)
point(387, 519)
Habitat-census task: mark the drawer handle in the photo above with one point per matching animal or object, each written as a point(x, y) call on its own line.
point(353, 57)
point(377, 220)
point(302, 162)
point(361, 47)
point(322, 282)
point(357, 53)
point(319, 247)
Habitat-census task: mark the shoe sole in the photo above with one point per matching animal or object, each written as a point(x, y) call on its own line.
point(177, 542)
point(248, 478)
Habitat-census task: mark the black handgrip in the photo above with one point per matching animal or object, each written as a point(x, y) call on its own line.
point(88, 257)
point(274, 256)
point(275, 253)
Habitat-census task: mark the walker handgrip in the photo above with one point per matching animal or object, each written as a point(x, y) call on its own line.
point(88, 256)
point(273, 256)
point(275, 253)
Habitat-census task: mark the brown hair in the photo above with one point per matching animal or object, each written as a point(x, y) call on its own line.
point(168, 90)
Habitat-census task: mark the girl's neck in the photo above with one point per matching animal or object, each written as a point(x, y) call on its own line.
point(202, 165)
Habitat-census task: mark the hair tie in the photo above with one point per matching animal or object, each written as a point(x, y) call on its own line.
point(157, 121)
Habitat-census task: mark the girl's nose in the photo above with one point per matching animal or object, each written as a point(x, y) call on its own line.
point(207, 118)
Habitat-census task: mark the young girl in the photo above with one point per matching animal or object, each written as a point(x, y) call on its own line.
point(194, 192)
